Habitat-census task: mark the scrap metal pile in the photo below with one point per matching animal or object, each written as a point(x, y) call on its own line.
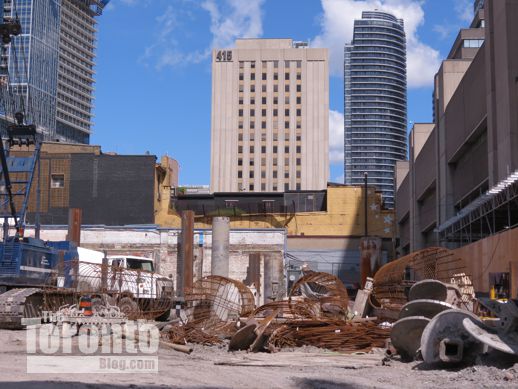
point(439, 320)
point(315, 314)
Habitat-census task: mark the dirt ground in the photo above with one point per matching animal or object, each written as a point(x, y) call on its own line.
point(210, 367)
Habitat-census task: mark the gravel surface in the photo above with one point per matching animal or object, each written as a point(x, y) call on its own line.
point(202, 369)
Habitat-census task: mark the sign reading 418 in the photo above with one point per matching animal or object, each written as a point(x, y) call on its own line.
point(224, 56)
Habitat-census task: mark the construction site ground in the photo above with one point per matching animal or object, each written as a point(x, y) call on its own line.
point(214, 367)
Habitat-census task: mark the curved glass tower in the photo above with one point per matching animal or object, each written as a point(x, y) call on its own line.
point(375, 102)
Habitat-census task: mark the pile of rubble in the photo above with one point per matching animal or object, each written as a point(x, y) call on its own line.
point(316, 313)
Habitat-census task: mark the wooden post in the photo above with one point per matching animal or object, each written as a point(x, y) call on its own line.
point(513, 279)
point(75, 216)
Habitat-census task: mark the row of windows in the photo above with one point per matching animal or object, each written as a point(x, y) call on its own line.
point(358, 54)
point(475, 43)
point(361, 93)
point(384, 80)
point(298, 162)
point(64, 61)
point(384, 86)
point(385, 74)
point(264, 100)
point(275, 88)
point(274, 149)
point(275, 125)
point(263, 174)
point(385, 36)
point(264, 76)
point(263, 137)
point(87, 58)
point(381, 49)
point(263, 187)
point(377, 104)
point(287, 64)
point(73, 75)
point(264, 112)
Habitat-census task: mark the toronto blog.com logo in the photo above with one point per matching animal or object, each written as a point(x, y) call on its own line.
point(56, 348)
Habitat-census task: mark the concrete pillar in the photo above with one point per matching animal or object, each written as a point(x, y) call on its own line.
point(185, 254)
point(273, 276)
point(220, 246)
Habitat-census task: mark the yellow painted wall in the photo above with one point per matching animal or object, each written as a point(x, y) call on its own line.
point(345, 216)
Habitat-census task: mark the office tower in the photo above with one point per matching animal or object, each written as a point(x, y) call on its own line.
point(49, 66)
point(270, 117)
point(375, 102)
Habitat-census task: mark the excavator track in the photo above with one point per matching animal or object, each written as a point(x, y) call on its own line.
point(17, 304)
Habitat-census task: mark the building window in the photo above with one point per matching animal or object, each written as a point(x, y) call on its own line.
point(251, 175)
point(252, 137)
point(299, 138)
point(275, 76)
point(252, 100)
point(286, 187)
point(252, 64)
point(299, 100)
point(298, 149)
point(263, 113)
point(286, 174)
point(286, 88)
point(241, 77)
point(240, 137)
point(299, 64)
point(275, 100)
point(286, 161)
point(263, 137)
point(298, 173)
point(299, 88)
point(287, 125)
point(275, 188)
point(239, 162)
point(251, 162)
point(57, 181)
point(251, 149)
point(240, 174)
point(263, 125)
point(263, 88)
point(299, 76)
point(240, 112)
point(263, 174)
point(286, 149)
point(263, 186)
point(287, 76)
point(299, 112)
point(252, 112)
point(286, 112)
point(299, 125)
point(240, 125)
point(241, 88)
point(252, 125)
point(286, 64)
point(298, 162)
point(240, 101)
point(286, 99)
point(275, 174)
point(251, 187)
point(275, 112)
point(252, 76)
point(275, 148)
point(275, 64)
point(263, 149)
point(264, 76)
point(275, 162)
point(240, 149)
point(263, 162)
point(298, 185)
point(276, 88)
point(252, 88)
point(263, 100)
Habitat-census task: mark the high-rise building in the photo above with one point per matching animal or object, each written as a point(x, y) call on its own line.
point(375, 102)
point(48, 68)
point(270, 117)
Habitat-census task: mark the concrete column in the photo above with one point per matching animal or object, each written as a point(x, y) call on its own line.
point(220, 246)
point(185, 254)
point(273, 275)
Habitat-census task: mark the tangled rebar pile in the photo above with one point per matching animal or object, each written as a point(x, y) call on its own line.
point(336, 335)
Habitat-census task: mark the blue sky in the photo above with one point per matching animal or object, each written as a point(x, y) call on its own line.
point(153, 81)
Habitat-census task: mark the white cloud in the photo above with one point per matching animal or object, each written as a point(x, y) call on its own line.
point(230, 19)
point(238, 19)
point(337, 24)
point(444, 30)
point(336, 137)
point(464, 10)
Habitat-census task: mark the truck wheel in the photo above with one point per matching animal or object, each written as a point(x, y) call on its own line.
point(129, 307)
